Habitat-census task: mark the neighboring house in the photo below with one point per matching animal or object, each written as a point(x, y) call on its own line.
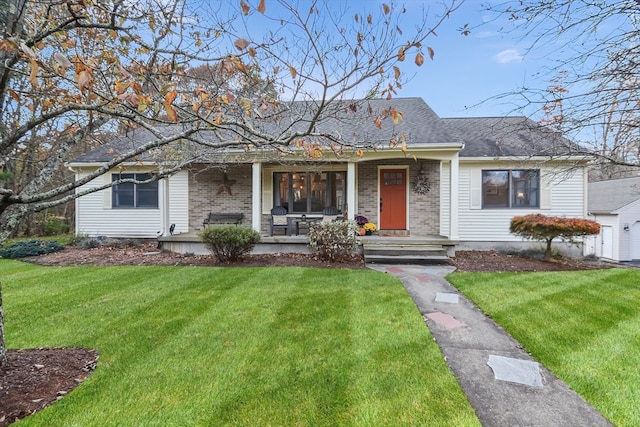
point(460, 179)
point(615, 205)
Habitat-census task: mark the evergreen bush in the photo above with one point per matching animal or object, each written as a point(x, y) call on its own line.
point(27, 248)
point(229, 242)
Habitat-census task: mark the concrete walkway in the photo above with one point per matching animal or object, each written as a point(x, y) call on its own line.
point(505, 385)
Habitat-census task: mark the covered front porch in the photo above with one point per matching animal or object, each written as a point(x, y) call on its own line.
point(410, 250)
point(401, 195)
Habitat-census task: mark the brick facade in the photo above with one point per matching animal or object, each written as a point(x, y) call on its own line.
point(205, 183)
point(424, 210)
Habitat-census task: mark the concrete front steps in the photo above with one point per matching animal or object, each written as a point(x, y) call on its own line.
point(399, 250)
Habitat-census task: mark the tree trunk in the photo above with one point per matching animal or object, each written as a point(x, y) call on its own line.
point(10, 220)
point(3, 350)
point(547, 251)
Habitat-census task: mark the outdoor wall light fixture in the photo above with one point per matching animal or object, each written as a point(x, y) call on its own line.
point(626, 227)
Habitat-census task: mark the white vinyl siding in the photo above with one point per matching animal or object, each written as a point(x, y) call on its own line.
point(179, 202)
point(622, 243)
point(95, 217)
point(563, 196)
point(628, 215)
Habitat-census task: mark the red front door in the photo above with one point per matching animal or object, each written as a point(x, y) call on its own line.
point(393, 199)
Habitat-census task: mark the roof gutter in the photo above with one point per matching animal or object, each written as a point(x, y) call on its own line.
point(579, 159)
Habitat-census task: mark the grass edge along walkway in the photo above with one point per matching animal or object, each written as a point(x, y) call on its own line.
point(234, 346)
point(582, 325)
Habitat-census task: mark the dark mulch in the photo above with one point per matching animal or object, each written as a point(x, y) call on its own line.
point(33, 379)
point(491, 261)
point(150, 255)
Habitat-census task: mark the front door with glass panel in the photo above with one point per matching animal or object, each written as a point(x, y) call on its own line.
point(393, 199)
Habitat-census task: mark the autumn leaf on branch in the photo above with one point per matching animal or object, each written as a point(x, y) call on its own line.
point(241, 44)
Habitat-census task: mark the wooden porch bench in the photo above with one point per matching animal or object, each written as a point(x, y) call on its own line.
point(222, 218)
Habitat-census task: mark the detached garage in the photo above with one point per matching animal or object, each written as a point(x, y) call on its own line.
point(615, 205)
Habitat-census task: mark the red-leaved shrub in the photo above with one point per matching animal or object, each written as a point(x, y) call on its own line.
point(546, 228)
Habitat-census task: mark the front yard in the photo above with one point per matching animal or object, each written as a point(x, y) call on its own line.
point(582, 325)
point(234, 346)
point(285, 345)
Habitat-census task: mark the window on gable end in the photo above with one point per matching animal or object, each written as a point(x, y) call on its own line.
point(129, 195)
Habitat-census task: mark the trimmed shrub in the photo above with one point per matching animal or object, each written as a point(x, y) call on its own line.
point(27, 248)
point(546, 228)
point(331, 241)
point(229, 242)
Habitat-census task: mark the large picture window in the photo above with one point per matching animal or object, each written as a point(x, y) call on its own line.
point(511, 188)
point(309, 192)
point(129, 195)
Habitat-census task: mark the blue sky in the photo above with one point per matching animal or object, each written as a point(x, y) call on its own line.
point(467, 72)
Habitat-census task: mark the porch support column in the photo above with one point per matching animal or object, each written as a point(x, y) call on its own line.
point(256, 196)
point(351, 190)
point(166, 219)
point(453, 198)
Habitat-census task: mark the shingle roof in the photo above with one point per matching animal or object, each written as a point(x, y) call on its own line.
point(353, 122)
point(420, 123)
point(506, 137)
point(114, 147)
point(609, 196)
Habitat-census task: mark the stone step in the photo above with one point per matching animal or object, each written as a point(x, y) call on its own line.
point(407, 259)
point(404, 253)
point(413, 249)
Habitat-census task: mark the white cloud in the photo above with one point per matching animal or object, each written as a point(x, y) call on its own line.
point(485, 34)
point(509, 55)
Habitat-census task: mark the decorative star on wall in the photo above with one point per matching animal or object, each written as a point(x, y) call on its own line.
point(225, 185)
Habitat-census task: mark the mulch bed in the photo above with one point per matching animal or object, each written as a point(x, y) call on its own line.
point(35, 378)
point(491, 261)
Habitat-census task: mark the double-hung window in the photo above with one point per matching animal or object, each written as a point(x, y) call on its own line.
point(129, 195)
point(511, 188)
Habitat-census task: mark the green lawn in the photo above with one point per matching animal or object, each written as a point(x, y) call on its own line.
point(584, 326)
point(234, 346)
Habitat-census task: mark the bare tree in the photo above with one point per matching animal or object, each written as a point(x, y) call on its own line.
point(593, 76)
point(72, 71)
